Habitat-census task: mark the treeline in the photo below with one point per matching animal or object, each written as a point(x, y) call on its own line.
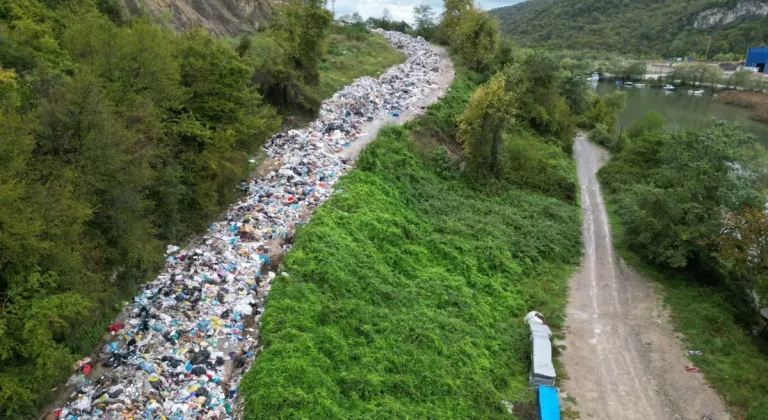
point(425, 24)
point(118, 136)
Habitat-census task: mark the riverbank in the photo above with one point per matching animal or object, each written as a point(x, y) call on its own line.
point(753, 101)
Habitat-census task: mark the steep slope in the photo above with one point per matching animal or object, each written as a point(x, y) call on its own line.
point(655, 27)
point(221, 17)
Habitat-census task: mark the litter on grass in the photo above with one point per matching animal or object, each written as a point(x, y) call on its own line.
point(178, 351)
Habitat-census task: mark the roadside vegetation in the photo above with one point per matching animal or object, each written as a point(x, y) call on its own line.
point(118, 136)
point(687, 210)
point(404, 295)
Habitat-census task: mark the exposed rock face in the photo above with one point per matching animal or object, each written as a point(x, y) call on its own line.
point(742, 11)
point(221, 17)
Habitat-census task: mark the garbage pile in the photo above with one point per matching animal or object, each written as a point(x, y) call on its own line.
point(178, 351)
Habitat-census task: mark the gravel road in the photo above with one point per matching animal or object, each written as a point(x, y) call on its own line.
point(623, 359)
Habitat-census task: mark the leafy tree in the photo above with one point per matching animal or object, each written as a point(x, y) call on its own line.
point(455, 12)
point(490, 111)
point(426, 26)
point(702, 177)
point(574, 91)
point(477, 39)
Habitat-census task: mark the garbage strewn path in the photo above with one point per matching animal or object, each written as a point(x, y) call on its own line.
point(622, 358)
point(180, 349)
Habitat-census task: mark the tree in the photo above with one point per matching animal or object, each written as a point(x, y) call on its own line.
point(425, 21)
point(491, 109)
point(386, 15)
point(424, 16)
point(455, 11)
point(702, 177)
point(477, 39)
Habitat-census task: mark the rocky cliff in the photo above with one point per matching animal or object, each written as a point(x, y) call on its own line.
point(221, 17)
point(743, 10)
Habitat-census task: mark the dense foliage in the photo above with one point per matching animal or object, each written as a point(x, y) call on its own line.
point(405, 296)
point(116, 137)
point(647, 27)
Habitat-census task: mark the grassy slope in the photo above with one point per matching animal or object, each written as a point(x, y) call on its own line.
point(406, 296)
point(732, 361)
point(348, 59)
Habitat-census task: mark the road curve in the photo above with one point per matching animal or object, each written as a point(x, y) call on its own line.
point(622, 358)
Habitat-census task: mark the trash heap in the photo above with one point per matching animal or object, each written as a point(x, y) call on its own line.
point(178, 351)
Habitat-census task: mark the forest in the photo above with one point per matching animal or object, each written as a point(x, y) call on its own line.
point(647, 28)
point(119, 136)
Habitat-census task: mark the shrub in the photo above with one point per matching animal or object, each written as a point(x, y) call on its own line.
point(602, 136)
point(531, 164)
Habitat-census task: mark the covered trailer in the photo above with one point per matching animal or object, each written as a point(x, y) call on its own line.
point(542, 369)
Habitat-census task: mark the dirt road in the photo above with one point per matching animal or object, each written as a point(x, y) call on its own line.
point(623, 359)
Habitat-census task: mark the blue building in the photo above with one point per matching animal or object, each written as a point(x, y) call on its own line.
point(757, 57)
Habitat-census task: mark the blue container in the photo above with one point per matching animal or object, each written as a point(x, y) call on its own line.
point(549, 405)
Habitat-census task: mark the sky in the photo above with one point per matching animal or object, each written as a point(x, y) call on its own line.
point(402, 9)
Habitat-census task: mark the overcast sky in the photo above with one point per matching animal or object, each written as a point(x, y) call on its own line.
point(402, 9)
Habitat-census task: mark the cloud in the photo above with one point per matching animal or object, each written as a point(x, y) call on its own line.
point(402, 9)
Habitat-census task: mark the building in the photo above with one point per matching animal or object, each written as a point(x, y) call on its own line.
point(757, 57)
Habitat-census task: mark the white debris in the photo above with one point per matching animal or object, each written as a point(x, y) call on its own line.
point(180, 348)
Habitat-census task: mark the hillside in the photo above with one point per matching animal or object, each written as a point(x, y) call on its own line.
point(221, 17)
point(648, 27)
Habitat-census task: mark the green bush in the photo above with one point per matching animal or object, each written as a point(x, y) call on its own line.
point(602, 136)
point(440, 118)
point(531, 164)
point(405, 297)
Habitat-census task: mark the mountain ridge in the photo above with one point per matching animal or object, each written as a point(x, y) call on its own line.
point(642, 27)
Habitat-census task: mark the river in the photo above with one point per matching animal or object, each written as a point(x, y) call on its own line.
point(680, 108)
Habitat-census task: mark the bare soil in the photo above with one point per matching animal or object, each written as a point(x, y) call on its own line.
point(622, 357)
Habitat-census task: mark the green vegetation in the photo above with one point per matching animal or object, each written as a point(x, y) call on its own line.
point(118, 136)
point(733, 360)
point(406, 293)
point(687, 210)
point(354, 52)
point(645, 28)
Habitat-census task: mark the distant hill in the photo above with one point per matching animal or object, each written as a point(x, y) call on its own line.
point(648, 27)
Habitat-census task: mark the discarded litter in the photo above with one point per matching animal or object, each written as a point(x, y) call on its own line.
point(692, 369)
point(695, 353)
point(178, 351)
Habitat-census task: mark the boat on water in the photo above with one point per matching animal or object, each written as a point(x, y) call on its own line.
point(669, 88)
point(696, 92)
point(640, 85)
point(628, 84)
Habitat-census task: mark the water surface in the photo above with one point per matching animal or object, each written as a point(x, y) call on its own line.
point(680, 108)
